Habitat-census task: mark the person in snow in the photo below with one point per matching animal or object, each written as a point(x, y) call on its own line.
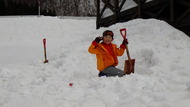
point(106, 54)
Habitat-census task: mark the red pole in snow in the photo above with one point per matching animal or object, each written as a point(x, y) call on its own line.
point(44, 42)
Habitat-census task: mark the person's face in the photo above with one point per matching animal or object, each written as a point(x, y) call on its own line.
point(107, 39)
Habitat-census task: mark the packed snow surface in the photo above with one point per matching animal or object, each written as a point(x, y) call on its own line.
point(161, 78)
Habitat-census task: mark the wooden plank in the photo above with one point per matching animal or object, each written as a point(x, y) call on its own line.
point(162, 9)
point(98, 14)
point(171, 11)
point(108, 5)
point(116, 4)
point(184, 23)
point(183, 15)
point(184, 2)
point(153, 3)
point(121, 5)
point(139, 8)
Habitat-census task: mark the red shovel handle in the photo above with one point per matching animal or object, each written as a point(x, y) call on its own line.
point(123, 33)
point(44, 42)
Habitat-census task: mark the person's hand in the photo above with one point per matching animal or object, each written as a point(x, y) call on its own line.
point(125, 42)
point(98, 39)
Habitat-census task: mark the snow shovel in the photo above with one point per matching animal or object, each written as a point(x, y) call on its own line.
point(130, 63)
point(44, 42)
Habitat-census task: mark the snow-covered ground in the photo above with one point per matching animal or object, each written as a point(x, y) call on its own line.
point(161, 78)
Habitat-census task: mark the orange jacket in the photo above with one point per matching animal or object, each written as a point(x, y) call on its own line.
point(104, 58)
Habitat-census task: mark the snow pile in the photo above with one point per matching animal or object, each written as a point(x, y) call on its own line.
point(161, 77)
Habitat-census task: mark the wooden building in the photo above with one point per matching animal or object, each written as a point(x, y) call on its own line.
point(175, 12)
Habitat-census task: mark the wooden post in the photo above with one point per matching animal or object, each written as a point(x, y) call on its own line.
point(38, 8)
point(116, 4)
point(171, 11)
point(139, 8)
point(98, 14)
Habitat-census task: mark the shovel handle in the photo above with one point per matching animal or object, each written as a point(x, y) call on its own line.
point(44, 42)
point(124, 34)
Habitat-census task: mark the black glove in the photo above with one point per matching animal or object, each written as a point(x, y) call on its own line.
point(98, 39)
point(125, 41)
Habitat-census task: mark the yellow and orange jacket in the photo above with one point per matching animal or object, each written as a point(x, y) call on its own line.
point(103, 56)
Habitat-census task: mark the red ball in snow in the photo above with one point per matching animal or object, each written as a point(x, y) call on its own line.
point(71, 84)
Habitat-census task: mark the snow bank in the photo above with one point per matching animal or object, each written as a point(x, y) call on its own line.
point(161, 77)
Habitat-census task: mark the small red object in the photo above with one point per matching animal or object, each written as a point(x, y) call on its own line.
point(71, 84)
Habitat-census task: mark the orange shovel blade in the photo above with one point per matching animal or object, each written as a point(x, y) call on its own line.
point(128, 69)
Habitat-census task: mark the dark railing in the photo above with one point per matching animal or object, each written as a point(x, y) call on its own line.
point(175, 12)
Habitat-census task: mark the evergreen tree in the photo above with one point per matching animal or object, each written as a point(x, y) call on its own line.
point(2, 7)
point(60, 7)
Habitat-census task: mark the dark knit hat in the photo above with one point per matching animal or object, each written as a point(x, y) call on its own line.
point(108, 32)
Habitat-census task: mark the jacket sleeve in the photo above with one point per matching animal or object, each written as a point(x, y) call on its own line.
point(119, 51)
point(92, 49)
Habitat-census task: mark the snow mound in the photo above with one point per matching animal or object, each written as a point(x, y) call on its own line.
point(161, 77)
